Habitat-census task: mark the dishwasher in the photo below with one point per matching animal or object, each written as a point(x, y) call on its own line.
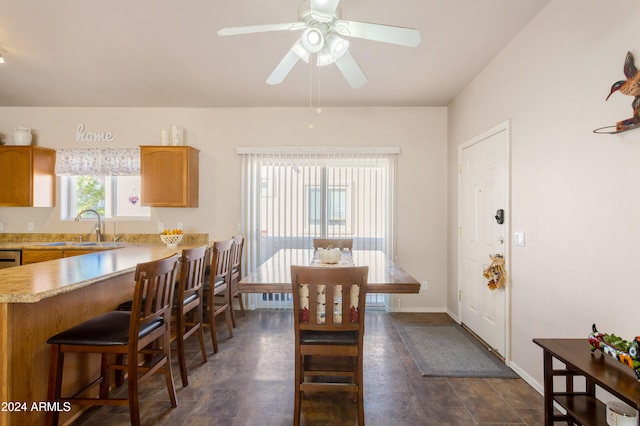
point(9, 258)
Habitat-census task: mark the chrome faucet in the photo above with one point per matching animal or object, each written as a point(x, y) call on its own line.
point(99, 235)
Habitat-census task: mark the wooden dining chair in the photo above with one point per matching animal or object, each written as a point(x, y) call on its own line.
point(188, 305)
point(329, 305)
point(142, 333)
point(219, 284)
point(236, 275)
point(340, 243)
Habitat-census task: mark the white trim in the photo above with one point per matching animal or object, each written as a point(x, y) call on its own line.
point(244, 150)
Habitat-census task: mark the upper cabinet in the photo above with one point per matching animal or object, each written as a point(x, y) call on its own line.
point(169, 176)
point(28, 176)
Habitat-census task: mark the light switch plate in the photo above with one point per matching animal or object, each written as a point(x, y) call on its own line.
point(518, 238)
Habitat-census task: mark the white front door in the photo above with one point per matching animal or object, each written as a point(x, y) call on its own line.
point(483, 193)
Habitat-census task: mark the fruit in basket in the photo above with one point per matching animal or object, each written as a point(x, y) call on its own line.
point(172, 232)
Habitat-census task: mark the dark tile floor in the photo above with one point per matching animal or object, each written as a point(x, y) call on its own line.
point(250, 382)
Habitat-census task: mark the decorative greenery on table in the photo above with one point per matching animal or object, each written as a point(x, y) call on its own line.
point(624, 351)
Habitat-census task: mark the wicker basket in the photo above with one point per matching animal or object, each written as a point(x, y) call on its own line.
point(171, 240)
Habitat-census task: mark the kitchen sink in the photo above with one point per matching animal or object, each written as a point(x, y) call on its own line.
point(84, 244)
point(94, 244)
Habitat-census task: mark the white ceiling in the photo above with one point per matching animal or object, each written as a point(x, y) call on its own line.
point(152, 53)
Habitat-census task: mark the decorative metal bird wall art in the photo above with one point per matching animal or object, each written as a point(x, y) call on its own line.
point(631, 87)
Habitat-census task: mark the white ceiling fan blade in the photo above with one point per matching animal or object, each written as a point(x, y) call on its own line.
point(286, 65)
point(351, 70)
point(292, 26)
point(324, 7)
point(385, 33)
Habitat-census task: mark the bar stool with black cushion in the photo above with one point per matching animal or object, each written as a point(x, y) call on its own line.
point(142, 333)
point(339, 243)
point(219, 284)
point(188, 304)
point(329, 341)
point(236, 275)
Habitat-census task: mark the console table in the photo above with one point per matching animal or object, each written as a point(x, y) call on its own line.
point(597, 368)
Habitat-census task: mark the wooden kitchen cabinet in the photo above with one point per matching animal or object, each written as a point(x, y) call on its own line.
point(169, 176)
point(28, 176)
point(35, 256)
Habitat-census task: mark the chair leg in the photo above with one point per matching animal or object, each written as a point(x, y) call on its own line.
point(201, 332)
point(298, 396)
point(166, 349)
point(360, 391)
point(212, 326)
point(106, 376)
point(229, 316)
point(181, 356)
point(119, 373)
point(241, 304)
point(54, 388)
point(233, 314)
point(132, 384)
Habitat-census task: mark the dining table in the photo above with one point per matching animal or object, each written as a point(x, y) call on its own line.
point(274, 275)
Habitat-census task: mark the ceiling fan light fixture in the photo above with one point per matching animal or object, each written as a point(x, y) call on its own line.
point(312, 40)
point(334, 49)
point(301, 51)
point(337, 45)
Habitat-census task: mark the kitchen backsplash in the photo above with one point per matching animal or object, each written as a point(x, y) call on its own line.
point(127, 238)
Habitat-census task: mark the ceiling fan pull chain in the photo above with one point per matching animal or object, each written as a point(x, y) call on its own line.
point(310, 125)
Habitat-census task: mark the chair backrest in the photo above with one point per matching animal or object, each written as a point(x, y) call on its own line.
point(341, 243)
point(236, 261)
point(221, 262)
point(329, 298)
point(153, 294)
point(192, 265)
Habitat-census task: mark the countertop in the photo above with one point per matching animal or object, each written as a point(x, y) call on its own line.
point(34, 282)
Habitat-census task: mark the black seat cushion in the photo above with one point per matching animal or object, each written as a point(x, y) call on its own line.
point(126, 306)
point(110, 329)
point(190, 298)
point(216, 284)
point(313, 337)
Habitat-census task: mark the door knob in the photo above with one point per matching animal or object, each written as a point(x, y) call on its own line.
point(500, 216)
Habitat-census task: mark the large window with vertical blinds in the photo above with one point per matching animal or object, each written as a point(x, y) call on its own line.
point(295, 194)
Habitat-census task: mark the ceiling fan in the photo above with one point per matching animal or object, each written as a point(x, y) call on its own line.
point(322, 28)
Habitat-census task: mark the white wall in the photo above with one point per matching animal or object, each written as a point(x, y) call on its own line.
point(575, 194)
point(421, 134)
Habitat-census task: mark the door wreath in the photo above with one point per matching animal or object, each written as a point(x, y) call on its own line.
point(496, 272)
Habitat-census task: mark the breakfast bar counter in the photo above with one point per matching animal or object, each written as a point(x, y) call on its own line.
point(40, 300)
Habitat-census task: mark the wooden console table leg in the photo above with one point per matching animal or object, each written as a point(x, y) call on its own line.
point(548, 389)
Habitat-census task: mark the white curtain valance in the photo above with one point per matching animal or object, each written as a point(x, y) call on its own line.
point(98, 161)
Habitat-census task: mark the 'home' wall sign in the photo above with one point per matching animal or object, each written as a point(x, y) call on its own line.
point(84, 136)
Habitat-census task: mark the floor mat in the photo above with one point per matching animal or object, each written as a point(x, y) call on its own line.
point(450, 351)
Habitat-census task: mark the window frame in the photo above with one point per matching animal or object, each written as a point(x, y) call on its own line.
point(68, 199)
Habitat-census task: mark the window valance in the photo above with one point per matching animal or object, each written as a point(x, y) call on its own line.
point(98, 161)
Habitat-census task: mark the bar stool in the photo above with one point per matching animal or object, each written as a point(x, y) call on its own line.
point(236, 275)
point(187, 316)
point(219, 284)
point(188, 304)
point(144, 331)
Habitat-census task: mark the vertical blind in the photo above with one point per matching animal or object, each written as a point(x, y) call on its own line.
point(295, 194)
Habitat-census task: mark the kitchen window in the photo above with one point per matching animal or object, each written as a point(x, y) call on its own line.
point(103, 179)
point(111, 196)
